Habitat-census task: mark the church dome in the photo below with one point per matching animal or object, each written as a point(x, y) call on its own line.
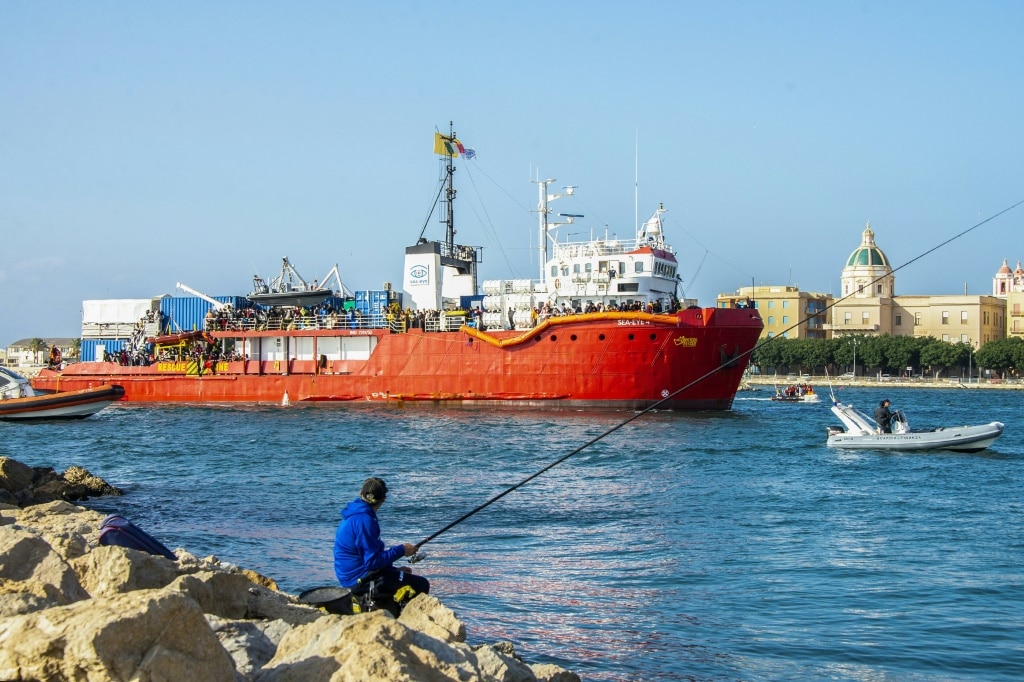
point(868, 252)
point(1005, 270)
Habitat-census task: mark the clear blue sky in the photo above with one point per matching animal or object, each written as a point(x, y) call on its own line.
point(144, 144)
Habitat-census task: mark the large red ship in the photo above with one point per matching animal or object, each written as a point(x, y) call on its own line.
point(602, 327)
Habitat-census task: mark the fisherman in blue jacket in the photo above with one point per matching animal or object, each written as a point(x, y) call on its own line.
point(360, 553)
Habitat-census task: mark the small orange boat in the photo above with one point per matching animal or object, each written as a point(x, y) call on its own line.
point(19, 402)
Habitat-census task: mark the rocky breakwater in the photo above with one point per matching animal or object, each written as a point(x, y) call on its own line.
point(72, 609)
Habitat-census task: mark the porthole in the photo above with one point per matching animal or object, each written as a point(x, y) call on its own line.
point(554, 337)
point(601, 337)
point(572, 338)
point(653, 337)
point(631, 337)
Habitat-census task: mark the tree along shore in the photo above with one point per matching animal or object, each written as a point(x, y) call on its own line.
point(820, 382)
point(898, 356)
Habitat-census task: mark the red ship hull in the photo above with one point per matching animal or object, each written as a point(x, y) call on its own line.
point(617, 360)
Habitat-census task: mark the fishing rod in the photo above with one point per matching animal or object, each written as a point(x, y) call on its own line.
point(417, 556)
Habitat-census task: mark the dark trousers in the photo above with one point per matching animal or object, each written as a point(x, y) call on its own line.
point(392, 580)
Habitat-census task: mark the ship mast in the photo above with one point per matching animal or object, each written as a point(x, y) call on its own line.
point(449, 235)
point(544, 225)
point(438, 274)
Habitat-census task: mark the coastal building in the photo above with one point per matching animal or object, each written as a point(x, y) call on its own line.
point(1009, 285)
point(36, 351)
point(869, 304)
point(785, 310)
point(867, 289)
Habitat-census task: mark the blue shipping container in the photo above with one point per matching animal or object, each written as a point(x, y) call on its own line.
point(187, 313)
point(471, 302)
point(90, 350)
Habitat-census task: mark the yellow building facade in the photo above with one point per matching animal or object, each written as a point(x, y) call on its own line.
point(1009, 285)
point(785, 310)
point(869, 305)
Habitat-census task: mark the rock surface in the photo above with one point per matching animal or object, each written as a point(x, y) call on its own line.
point(24, 486)
point(71, 609)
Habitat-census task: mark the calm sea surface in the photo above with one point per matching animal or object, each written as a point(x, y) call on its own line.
point(705, 546)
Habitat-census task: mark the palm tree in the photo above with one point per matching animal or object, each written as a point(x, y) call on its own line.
point(76, 348)
point(36, 346)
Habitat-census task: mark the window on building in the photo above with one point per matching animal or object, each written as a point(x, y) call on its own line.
point(878, 289)
point(771, 334)
point(865, 317)
point(785, 335)
point(847, 318)
point(899, 320)
point(771, 319)
point(785, 319)
point(639, 266)
point(771, 304)
point(945, 337)
point(945, 317)
point(785, 304)
point(917, 319)
point(963, 317)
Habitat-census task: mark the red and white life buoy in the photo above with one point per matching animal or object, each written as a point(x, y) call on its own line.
point(558, 284)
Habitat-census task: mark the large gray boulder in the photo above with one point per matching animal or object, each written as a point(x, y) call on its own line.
point(375, 646)
point(23, 486)
point(143, 635)
point(32, 575)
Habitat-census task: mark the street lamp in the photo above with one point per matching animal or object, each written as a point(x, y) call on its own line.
point(854, 358)
point(970, 354)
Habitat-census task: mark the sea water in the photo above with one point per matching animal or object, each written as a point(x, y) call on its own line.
point(703, 546)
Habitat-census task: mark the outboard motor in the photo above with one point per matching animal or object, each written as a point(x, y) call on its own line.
point(900, 423)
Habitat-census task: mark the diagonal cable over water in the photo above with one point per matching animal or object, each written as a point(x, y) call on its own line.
point(696, 381)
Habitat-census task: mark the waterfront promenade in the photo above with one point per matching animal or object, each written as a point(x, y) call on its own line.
point(820, 382)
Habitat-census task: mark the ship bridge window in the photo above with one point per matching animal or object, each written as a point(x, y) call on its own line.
point(628, 287)
point(639, 267)
point(554, 271)
point(565, 271)
point(588, 267)
point(622, 268)
point(576, 268)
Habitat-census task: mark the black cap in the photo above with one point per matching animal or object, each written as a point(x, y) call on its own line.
point(883, 403)
point(374, 490)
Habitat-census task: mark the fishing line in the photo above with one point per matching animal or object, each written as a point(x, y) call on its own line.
point(696, 381)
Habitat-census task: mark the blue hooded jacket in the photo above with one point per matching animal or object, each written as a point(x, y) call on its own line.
point(358, 548)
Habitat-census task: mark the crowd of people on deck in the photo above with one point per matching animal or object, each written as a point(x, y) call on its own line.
point(140, 351)
point(397, 319)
